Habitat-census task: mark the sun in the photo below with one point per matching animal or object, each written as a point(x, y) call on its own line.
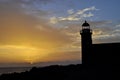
point(18, 53)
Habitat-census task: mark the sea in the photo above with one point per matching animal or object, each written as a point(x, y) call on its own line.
point(6, 70)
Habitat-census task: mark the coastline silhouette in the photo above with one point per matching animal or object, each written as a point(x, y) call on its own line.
point(99, 62)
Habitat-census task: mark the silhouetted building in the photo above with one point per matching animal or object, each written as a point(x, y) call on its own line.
point(86, 42)
point(97, 54)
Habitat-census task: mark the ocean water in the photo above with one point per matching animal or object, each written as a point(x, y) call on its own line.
point(5, 70)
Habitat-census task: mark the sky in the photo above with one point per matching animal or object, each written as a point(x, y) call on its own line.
point(43, 32)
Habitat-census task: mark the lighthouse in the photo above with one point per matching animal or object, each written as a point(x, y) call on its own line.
point(86, 43)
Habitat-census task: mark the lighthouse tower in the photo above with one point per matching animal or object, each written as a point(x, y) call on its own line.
point(86, 44)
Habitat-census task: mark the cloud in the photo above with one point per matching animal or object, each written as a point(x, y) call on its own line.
point(105, 32)
point(75, 16)
point(21, 32)
point(53, 20)
point(71, 11)
point(32, 7)
point(21, 27)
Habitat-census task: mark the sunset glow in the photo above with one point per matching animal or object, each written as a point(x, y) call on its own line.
point(36, 31)
point(17, 53)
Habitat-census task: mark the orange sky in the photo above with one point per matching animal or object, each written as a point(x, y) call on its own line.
point(33, 31)
point(25, 38)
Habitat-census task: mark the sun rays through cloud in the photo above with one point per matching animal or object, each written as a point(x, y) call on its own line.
point(36, 31)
